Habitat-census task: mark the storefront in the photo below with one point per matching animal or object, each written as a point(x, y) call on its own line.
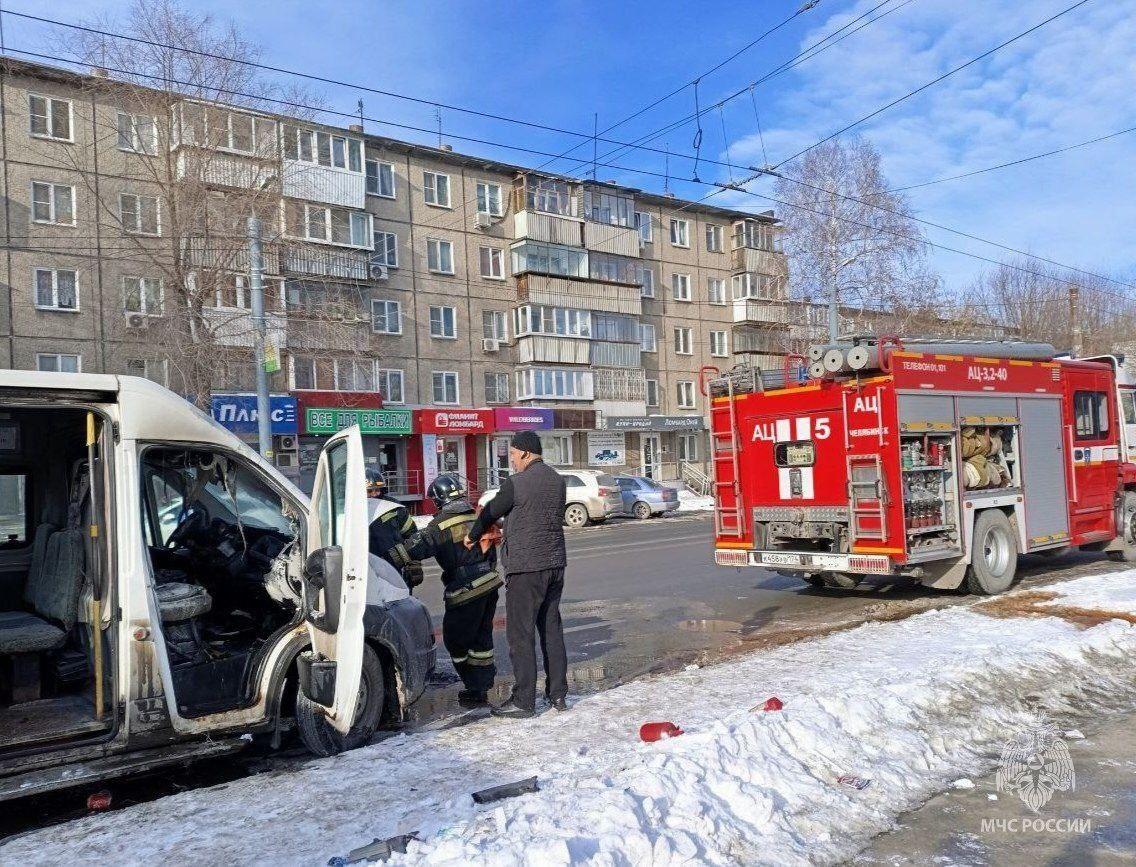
point(449, 441)
point(237, 413)
point(386, 437)
point(506, 421)
point(656, 446)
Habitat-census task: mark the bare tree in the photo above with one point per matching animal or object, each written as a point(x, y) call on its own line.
point(199, 138)
point(848, 236)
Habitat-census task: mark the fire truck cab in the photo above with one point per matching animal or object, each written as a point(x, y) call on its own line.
point(936, 461)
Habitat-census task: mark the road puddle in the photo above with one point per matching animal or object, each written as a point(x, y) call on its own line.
point(704, 624)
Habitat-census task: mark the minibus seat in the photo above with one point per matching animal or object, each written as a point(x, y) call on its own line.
point(178, 601)
point(21, 632)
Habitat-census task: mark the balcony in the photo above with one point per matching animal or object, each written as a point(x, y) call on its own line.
point(604, 354)
point(752, 310)
point(605, 238)
point(550, 228)
point(327, 184)
point(579, 294)
point(759, 339)
point(760, 261)
point(234, 327)
point(226, 255)
point(554, 350)
point(218, 169)
point(620, 384)
point(312, 261)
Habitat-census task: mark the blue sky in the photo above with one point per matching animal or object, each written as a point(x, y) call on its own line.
point(558, 62)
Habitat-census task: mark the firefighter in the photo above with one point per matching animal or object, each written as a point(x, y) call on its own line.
point(471, 584)
point(390, 529)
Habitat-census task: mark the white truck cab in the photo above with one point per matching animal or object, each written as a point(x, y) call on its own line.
point(165, 591)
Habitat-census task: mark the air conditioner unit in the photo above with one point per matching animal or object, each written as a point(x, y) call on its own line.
point(484, 221)
point(287, 444)
point(377, 270)
point(490, 344)
point(137, 320)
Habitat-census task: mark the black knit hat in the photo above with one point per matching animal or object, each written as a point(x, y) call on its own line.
point(527, 441)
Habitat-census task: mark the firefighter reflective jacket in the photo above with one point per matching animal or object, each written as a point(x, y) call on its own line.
point(467, 573)
point(391, 528)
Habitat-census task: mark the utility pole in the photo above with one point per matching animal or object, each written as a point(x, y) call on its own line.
point(256, 286)
point(1076, 342)
point(834, 297)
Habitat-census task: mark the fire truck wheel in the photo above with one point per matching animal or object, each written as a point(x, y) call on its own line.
point(1127, 520)
point(995, 558)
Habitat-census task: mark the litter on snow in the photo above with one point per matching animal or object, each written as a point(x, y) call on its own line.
point(857, 783)
point(508, 790)
point(658, 731)
point(963, 783)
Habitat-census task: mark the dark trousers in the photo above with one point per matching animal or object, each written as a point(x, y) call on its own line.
point(532, 603)
point(467, 632)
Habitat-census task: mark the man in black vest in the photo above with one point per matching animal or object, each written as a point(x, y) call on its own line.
point(531, 501)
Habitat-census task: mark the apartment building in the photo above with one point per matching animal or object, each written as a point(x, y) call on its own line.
point(439, 300)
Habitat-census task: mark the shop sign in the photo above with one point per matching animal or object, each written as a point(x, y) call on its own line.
point(455, 421)
point(655, 423)
point(237, 412)
point(522, 418)
point(607, 448)
point(329, 420)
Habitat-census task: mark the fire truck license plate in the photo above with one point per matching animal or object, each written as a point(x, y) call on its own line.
point(781, 559)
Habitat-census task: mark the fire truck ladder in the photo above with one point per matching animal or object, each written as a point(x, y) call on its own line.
point(866, 499)
point(728, 519)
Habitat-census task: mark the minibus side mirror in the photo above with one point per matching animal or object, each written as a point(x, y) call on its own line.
point(323, 570)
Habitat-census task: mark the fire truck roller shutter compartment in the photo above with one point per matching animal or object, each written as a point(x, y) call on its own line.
point(1043, 472)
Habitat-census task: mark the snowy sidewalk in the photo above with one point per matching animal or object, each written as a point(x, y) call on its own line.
point(909, 705)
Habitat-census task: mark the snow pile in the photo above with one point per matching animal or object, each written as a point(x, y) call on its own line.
point(875, 720)
point(688, 501)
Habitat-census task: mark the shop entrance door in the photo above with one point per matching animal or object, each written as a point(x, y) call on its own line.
point(451, 456)
point(498, 462)
point(651, 452)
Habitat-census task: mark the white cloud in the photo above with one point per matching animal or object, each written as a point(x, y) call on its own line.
point(1067, 82)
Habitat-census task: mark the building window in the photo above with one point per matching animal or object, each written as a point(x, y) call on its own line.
point(354, 374)
point(643, 224)
point(445, 386)
point(718, 344)
point(489, 199)
point(140, 214)
point(561, 321)
point(493, 325)
point(56, 289)
point(53, 203)
point(436, 188)
point(615, 327)
point(556, 449)
point(716, 290)
point(611, 208)
point(548, 195)
point(142, 295)
point(148, 368)
point(714, 239)
point(389, 385)
point(50, 118)
point(493, 263)
point(646, 283)
point(685, 390)
point(233, 292)
point(442, 322)
point(386, 249)
point(496, 388)
point(237, 131)
point(684, 341)
point(55, 362)
point(551, 259)
point(652, 392)
point(322, 148)
point(380, 179)
point(680, 287)
point(688, 447)
point(303, 373)
point(139, 134)
point(680, 233)
point(617, 269)
point(340, 226)
point(554, 384)
point(750, 285)
point(440, 256)
point(386, 317)
point(647, 342)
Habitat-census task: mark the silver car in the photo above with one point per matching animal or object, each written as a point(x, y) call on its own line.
point(643, 497)
point(591, 497)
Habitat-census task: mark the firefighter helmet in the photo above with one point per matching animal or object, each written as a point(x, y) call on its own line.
point(445, 488)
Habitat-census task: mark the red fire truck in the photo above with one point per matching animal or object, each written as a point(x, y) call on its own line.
point(937, 461)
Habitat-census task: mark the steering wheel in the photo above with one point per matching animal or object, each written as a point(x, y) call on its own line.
point(192, 524)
